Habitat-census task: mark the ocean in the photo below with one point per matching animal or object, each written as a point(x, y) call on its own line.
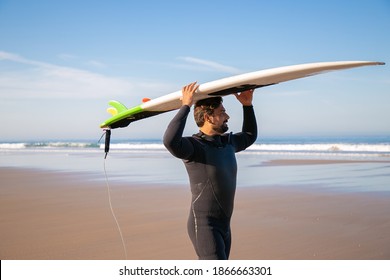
point(331, 163)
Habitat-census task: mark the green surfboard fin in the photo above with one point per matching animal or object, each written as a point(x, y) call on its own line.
point(119, 107)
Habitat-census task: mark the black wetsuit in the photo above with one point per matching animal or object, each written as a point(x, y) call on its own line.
point(212, 169)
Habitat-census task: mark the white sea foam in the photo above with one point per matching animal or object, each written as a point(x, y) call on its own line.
point(373, 148)
point(12, 146)
point(47, 145)
point(135, 146)
point(328, 147)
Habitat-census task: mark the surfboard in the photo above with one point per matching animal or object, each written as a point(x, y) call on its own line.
point(123, 116)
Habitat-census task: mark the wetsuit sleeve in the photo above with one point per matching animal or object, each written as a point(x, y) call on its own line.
point(174, 141)
point(248, 134)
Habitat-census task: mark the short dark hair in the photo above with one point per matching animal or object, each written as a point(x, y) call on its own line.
point(205, 106)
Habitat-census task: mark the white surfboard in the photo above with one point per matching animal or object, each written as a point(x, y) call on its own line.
point(122, 116)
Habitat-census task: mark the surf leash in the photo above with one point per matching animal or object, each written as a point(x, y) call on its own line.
point(107, 133)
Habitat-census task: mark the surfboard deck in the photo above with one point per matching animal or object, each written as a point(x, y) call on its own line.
point(123, 116)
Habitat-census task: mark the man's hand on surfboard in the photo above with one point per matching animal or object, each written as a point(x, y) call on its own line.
point(245, 97)
point(188, 94)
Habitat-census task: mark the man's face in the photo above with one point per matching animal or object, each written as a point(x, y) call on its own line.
point(219, 120)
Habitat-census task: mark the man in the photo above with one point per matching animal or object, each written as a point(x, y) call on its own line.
point(209, 157)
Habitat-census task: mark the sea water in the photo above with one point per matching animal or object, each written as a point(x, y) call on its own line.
point(364, 162)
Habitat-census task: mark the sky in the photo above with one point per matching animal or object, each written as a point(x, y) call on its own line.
point(62, 61)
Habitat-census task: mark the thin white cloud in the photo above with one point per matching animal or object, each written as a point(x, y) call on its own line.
point(96, 64)
point(17, 58)
point(208, 65)
point(36, 79)
point(67, 56)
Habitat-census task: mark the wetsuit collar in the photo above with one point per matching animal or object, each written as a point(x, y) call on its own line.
point(216, 140)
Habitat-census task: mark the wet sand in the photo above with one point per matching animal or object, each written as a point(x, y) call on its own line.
point(287, 162)
point(59, 215)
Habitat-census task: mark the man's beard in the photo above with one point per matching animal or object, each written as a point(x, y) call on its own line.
point(221, 129)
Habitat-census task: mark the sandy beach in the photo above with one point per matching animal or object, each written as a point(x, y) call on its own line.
point(59, 215)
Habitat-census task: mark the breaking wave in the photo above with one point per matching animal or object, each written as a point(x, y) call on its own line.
point(370, 147)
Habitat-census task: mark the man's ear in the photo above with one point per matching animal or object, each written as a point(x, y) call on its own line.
point(208, 118)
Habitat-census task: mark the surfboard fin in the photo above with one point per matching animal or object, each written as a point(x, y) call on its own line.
point(112, 111)
point(145, 99)
point(116, 108)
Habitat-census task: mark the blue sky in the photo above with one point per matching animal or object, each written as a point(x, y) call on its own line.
point(62, 61)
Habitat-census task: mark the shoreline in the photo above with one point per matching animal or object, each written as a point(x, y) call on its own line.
point(60, 215)
point(293, 162)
